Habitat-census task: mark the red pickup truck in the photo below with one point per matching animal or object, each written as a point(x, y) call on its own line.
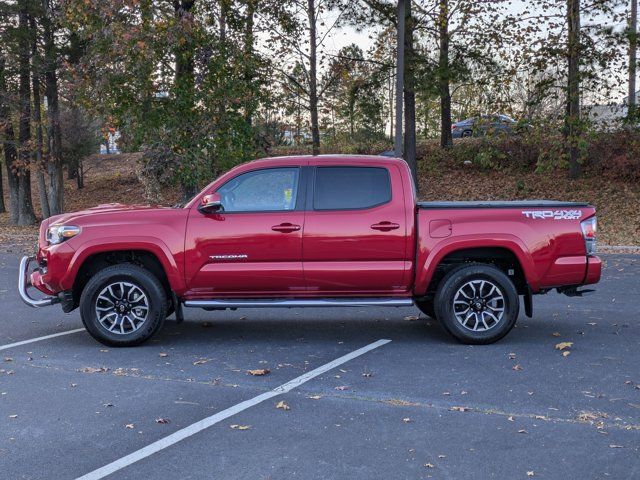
point(312, 232)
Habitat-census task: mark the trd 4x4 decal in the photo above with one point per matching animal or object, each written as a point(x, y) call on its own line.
point(553, 214)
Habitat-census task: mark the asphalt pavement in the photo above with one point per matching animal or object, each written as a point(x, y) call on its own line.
point(420, 406)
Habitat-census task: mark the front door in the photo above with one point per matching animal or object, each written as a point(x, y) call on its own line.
point(253, 247)
point(355, 235)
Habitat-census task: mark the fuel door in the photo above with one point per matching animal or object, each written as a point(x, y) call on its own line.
point(440, 228)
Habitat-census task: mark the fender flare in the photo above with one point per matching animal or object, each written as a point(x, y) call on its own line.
point(152, 245)
point(429, 261)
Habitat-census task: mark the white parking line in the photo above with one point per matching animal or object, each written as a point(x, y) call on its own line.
point(223, 415)
point(39, 339)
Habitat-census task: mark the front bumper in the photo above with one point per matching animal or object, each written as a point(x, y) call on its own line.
point(25, 282)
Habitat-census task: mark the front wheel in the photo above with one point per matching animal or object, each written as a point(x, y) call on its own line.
point(477, 304)
point(123, 305)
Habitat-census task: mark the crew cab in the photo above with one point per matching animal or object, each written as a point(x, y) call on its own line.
point(315, 231)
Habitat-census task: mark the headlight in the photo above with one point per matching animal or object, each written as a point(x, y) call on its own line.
point(59, 233)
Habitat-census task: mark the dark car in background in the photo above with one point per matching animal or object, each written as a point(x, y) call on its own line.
point(482, 125)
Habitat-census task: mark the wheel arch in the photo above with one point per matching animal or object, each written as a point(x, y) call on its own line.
point(155, 257)
point(504, 255)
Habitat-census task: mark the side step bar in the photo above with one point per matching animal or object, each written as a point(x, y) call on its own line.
point(292, 303)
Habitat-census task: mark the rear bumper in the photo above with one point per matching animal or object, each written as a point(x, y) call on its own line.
point(26, 280)
point(594, 270)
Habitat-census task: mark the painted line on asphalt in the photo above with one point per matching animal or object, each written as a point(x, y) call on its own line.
point(39, 339)
point(224, 414)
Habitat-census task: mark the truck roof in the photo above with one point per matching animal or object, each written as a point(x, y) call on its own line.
point(333, 158)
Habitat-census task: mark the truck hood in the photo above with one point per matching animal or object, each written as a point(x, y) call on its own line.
point(107, 208)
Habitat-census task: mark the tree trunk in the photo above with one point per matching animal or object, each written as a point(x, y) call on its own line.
point(8, 145)
point(184, 82)
point(446, 138)
point(572, 130)
point(410, 97)
point(313, 77)
point(223, 20)
point(25, 205)
point(633, 62)
point(2, 207)
point(37, 120)
point(249, 41)
point(53, 157)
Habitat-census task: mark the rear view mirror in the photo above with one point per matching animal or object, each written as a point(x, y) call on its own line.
point(211, 203)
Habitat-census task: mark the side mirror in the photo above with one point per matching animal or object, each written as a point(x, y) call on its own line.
point(211, 203)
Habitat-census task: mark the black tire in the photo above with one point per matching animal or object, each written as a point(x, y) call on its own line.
point(467, 133)
point(486, 308)
point(426, 306)
point(128, 274)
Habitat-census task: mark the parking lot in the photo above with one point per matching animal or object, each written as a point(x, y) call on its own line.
point(418, 406)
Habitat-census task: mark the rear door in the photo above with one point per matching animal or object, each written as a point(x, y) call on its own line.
point(254, 246)
point(354, 240)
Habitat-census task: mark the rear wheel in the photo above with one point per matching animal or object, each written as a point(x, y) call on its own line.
point(477, 304)
point(123, 305)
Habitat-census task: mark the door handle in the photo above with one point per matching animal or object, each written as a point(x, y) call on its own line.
point(385, 226)
point(285, 228)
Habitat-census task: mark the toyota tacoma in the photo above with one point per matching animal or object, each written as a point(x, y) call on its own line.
point(322, 231)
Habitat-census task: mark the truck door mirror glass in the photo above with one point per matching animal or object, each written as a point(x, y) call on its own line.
point(211, 203)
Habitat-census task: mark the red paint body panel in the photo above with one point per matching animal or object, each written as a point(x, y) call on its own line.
point(343, 253)
point(333, 253)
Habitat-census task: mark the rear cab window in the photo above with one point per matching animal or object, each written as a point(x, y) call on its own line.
point(351, 188)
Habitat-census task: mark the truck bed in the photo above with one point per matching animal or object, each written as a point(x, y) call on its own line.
point(501, 204)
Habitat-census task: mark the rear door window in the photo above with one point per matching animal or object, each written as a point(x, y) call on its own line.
point(350, 188)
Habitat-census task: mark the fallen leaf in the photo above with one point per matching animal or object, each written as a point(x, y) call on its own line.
point(530, 473)
point(585, 416)
point(428, 465)
point(93, 369)
point(13, 416)
point(342, 388)
point(522, 430)
point(516, 367)
point(207, 324)
point(163, 421)
point(129, 425)
point(441, 456)
point(8, 359)
point(282, 405)
point(510, 418)
point(563, 345)
point(566, 354)
point(512, 356)
point(240, 427)
point(163, 354)
point(367, 375)
point(406, 420)
point(201, 361)
point(315, 397)
point(556, 334)
point(411, 318)
point(459, 409)
point(73, 385)
point(259, 372)
point(615, 446)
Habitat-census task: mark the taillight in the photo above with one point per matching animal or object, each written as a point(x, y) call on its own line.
point(589, 230)
point(453, 127)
